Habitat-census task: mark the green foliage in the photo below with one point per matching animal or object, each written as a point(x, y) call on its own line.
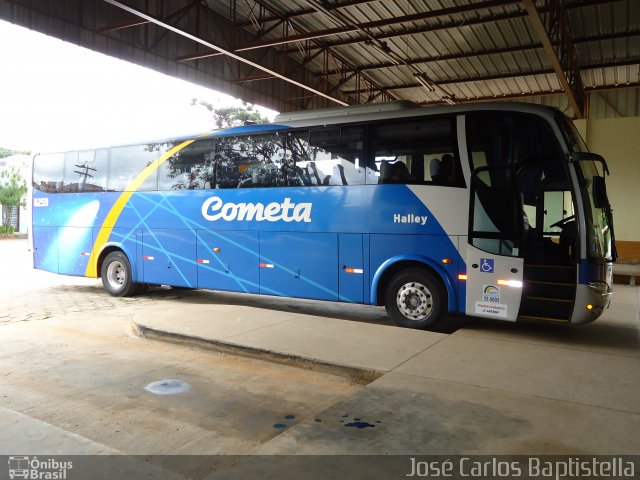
point(5, 152)
point(4, 230)
point(232, 116)
point(12, 190)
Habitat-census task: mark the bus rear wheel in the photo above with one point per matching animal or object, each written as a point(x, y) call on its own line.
point(116, 275)
point(415, 299)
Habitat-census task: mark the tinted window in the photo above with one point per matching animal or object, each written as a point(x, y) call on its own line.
point(249, 161)
point(422, 151)
point(520, 185)
point(191, 168)
point(524, 140)
point(497, 216)
point(328, 156)
point(48, 172)
point(98, 182)
point(71, 179)
point(126, 163)
point(85, 171)
point(527, 143)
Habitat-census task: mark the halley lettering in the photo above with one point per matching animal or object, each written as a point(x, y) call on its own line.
point(409, 218)
point(214, 209)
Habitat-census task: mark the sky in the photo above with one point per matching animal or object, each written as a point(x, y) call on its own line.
point(56, 96)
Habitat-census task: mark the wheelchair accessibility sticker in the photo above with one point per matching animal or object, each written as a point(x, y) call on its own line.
point(486, 265)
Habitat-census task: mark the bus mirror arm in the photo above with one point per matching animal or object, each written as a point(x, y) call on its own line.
point(589, 157)
point(614, 250)
point(603, 200)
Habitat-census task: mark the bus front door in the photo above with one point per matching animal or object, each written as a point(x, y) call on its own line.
point(494, 260)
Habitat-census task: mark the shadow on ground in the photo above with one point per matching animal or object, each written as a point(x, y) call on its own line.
point(343, 311)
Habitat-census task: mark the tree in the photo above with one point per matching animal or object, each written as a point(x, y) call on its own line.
point(5, 152)
point(12, 190)
point(232, 116)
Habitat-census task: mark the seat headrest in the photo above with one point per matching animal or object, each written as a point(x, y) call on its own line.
point(434, 167)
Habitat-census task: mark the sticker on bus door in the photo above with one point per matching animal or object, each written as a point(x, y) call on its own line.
point(494, 309)
point(486, 265)
point(493, 285)
point(490, 304)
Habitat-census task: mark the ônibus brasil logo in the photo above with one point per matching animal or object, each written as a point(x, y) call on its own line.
point(31, 468)
point(214, 209)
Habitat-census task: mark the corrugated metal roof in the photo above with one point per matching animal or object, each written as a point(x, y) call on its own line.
point(488, 51)
point(299, 54)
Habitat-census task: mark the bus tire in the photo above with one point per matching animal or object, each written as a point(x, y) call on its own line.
point(116, 275)
point(414, 298)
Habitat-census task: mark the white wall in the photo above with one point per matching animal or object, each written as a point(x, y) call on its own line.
point(618, 141)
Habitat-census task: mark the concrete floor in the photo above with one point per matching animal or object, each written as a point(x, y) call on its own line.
point(487, 388)
point(72, 376)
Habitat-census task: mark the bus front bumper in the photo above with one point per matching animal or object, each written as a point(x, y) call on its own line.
point(591, 300)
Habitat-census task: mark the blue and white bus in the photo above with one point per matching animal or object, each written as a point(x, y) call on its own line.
point(491, 210)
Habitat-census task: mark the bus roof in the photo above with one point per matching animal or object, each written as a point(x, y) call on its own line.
point(399, 109)
point(356, 114)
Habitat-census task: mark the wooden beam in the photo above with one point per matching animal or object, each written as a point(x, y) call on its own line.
point(539, 28)
point(515, 96)
point(223, 51)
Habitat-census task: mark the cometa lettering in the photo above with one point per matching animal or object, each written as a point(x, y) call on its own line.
point(214, 209)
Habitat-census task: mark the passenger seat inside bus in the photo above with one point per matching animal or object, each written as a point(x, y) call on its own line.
point(385, 172)
point(434, 168)
point(315, 177)
point(338, 177)
point(396, 172)
point(440, 170)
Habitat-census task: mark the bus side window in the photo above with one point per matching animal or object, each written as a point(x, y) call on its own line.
point(226, 173)
point(85, 171)
point(420, 151)
point(126, 163)
point(526, 142)
point(71, 180)
point(249, 161)
point(189, 169)
point(48, 172)
point(329, 156)
point(303, 156)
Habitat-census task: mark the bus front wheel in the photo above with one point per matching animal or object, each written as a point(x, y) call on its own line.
point(116, 275)
point(415, 299)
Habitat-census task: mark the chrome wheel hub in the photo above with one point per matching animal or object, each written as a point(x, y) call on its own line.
point(414, 301)
point(116, 275)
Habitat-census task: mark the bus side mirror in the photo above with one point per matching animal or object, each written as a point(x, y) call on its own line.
point(599, 191)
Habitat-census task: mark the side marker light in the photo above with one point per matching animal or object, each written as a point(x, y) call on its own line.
point(353, 270)
point(510, 283)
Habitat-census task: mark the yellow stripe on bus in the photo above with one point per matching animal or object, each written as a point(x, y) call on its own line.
point(116, 210)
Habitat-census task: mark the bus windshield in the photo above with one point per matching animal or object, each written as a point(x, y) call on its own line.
point(599, 234)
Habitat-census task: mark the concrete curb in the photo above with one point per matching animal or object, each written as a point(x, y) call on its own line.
point(357, 375)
